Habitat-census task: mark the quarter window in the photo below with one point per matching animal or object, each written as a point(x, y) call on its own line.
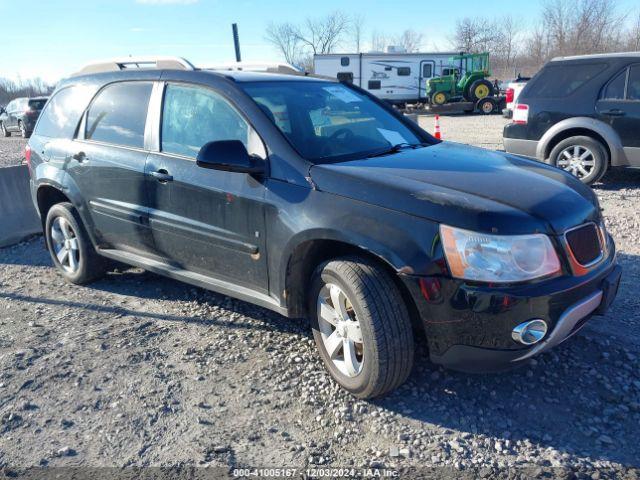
point(404, 71)
point(61, 115)
point(615, 88)
point(119, 113)
point(633, 89)
point(194, 116)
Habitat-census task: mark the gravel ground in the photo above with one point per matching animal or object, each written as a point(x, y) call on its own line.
point(138, 370)
point(11, 151)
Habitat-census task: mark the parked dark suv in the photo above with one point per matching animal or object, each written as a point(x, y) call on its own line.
point(21, 115)
point(581, 114)
point(314, 199)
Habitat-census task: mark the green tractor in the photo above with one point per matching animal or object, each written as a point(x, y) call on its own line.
point(465, 79)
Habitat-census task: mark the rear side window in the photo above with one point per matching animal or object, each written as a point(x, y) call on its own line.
point(633, 90)
point(62, 114)
point(119, 113)
point(193, 116)
point(615, 88)
point(561, 80)
point(37, 104)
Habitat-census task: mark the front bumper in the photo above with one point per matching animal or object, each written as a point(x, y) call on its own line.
point(469, 327)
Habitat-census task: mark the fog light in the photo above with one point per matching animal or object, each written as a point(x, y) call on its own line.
point(530, 332)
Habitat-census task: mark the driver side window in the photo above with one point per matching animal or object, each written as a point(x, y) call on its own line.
point(193, 116)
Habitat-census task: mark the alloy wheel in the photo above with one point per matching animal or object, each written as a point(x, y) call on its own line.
point(577, 160)
point(340, 330)
point(65, 244)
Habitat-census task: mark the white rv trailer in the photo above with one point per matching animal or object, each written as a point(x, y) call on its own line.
point(395, 77)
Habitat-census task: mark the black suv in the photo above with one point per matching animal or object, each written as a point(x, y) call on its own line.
point(314, 199)
point(21, 115)
point(581, 114)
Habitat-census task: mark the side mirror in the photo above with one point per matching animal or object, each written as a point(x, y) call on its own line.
point(229, 156)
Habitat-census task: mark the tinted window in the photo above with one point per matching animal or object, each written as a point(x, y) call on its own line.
point(344, 61)
point(119, 113)
point(427, 70)
point(614, 90)
point(633, 89)
point(404, 71)
point(560, 80)
point(37, 104)
point(330, 121)
point(62, 114)
point(374, 84)
point(193, 116)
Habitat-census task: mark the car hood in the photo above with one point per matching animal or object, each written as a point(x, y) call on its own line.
point(466, 187)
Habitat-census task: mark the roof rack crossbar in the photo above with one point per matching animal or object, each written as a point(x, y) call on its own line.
point(124, 63)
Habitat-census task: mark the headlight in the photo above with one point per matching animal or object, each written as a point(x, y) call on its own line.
point(498, 258)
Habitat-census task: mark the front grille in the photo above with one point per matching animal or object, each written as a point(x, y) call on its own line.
point(584, 243)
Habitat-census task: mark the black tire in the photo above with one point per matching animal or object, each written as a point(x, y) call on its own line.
point(3, 130)
point(90, 265)
point(385, 326)
point(473, 96)
point(487, 106)
point(558, 158)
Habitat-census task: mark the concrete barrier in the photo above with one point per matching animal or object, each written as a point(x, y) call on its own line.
point(18, 217)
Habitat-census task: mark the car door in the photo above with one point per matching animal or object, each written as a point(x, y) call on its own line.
point(203, 220)
point(107, 163)
point(619, 105)
point(10, 122)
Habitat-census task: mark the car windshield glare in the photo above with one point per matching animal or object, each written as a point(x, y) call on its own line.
point(327, 122)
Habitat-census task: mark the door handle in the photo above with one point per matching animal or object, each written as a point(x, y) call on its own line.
point(614, 113)
point(162, 176)
point(80, 157)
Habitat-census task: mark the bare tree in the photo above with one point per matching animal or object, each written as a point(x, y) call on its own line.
point(379, 41)
point(323, 35)
point(633, 42)
point(10, 89)
point(357, 27)
point(410, 40)
point(284, 37)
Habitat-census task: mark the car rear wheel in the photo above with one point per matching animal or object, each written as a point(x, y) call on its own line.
point(4, 131)
point(361, 326)
point(71, 250)
point(583, 157)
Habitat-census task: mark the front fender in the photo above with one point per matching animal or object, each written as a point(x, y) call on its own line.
point(605, 130)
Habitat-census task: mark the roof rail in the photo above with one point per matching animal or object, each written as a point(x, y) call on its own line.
point(125, 63)
point(268, 67)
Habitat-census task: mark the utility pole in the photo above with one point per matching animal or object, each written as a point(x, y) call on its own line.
point(236, 41)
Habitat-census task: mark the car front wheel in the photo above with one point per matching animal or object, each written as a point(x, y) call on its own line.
point(583, 157)
point(361, 326)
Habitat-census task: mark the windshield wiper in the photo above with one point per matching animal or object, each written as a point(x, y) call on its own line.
point(397, 148)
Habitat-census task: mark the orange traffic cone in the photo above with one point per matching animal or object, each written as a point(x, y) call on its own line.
point(437, 134)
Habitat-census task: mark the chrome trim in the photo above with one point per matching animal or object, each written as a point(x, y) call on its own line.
point(598, 259)
point(536, 328)
point(565, 324)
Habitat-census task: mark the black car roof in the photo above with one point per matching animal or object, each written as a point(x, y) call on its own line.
point(599, 56)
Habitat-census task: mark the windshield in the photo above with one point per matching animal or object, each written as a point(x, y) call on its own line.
point(327, 121)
